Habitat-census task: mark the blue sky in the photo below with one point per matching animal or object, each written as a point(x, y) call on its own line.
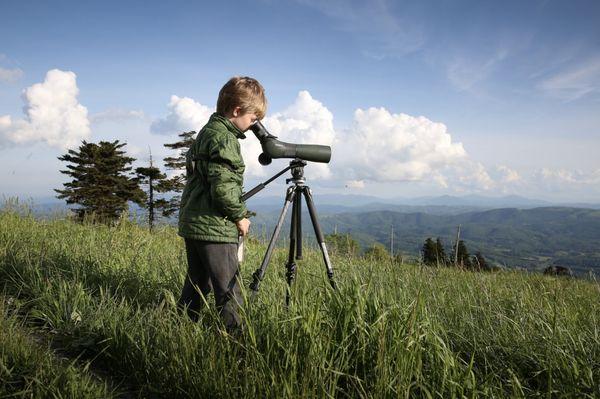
point(515, 84)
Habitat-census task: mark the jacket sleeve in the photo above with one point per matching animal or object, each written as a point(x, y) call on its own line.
point(225, 183)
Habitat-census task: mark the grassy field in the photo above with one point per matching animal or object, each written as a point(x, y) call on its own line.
point(89, 311)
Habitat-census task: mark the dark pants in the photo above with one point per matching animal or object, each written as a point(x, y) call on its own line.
point(212, 266)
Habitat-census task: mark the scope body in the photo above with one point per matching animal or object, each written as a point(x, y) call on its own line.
point(273, 148)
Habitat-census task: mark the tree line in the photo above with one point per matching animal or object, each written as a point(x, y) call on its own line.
point(434, 254)
point(103, 181)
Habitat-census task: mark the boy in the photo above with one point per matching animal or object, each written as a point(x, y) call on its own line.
point(212, 214)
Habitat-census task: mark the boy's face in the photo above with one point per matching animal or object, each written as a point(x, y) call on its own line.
point(242, 120)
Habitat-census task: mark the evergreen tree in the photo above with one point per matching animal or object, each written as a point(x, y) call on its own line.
point(151, 177)
point(440, 253)
point(176, 183)
point(429, 253)
point(464, 259)
point(479, 262)
point(342, 244)
point(101, 184)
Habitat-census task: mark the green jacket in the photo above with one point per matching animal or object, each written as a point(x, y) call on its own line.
point(210, 203)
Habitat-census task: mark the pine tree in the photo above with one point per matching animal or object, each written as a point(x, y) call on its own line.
point(429, 253)
point(464, 259)
point(176, 183)
point(152, 177)
point(101, 185)
point(479, 262)
point(440, 253)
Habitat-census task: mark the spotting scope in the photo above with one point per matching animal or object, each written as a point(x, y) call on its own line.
point(273, 148)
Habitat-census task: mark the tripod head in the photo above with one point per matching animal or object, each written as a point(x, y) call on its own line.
point(297, 170)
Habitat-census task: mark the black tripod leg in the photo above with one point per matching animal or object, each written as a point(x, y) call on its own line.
point(291, 265)
point(259, 274)
point(299, 225)
point(320, 239)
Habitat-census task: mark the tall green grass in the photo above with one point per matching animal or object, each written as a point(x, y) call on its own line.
point(29, 368)
point(107, 295)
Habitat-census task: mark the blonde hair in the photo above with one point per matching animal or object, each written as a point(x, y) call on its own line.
point(244, 92)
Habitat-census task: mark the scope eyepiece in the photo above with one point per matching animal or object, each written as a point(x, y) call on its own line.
point(260, 131)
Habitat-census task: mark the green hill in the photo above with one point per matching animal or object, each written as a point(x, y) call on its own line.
point(89, 311)
point(530, 238)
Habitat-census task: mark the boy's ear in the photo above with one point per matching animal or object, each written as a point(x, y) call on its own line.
point(237, 111)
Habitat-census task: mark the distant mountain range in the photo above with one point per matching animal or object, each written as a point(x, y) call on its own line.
point(529, 238)
point(451, 203)
point(445, 204)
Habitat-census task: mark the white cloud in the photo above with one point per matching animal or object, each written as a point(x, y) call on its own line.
point(574, 83)
point(380, 146)
point(386, 147)
point(571, 185)
point(508, 175)
point(10, 75)
point(184, 115)
point(473, 176)
point(117, 115)
point(52, 114)
point(503, 179)
point(306, 121)
point(559, 177)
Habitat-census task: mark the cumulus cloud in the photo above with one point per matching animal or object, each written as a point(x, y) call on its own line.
point(561, 177)
point(52, 114)
point(473, 176)
point(184, 115)
point(10, 75)
point(505, 175)
point(306, 121)
point(569, 184)
point(386, 147)
point(379, 147)
point(508, 175)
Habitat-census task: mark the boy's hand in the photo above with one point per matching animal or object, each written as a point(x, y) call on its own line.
point(243, 226)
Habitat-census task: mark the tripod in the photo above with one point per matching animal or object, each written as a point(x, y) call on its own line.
point(293, 196)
